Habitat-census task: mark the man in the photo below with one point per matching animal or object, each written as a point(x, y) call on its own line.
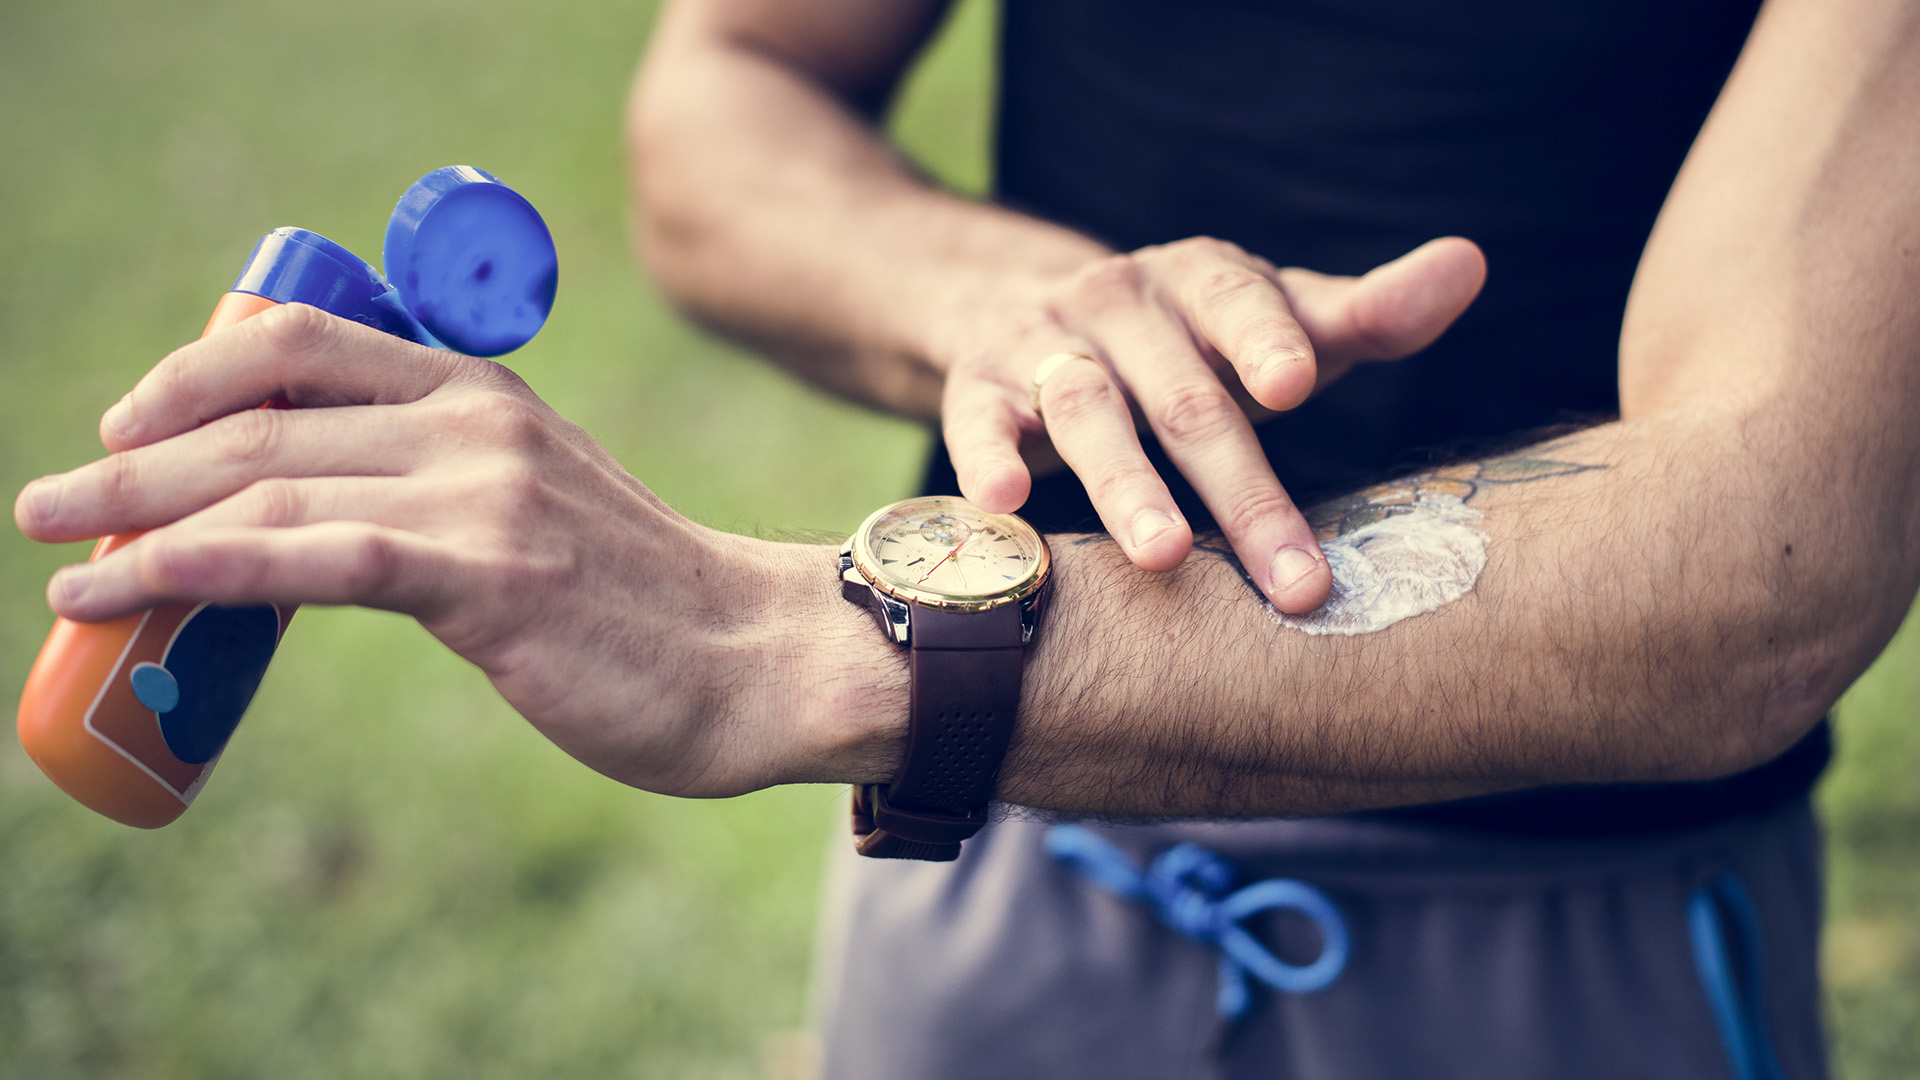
point(1335, 136)
point(1674, 596)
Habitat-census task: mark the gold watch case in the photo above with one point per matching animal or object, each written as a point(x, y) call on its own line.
point(941, 551)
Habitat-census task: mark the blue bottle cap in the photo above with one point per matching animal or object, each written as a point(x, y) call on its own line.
point(294, 266)
point(472, 261)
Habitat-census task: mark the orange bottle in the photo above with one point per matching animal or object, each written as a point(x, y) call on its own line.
point(129, 716)
point(102, 710)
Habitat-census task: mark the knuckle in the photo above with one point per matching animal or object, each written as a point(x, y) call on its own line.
point(503, 500)
point(525, 578)
point(474, 373)
point(170, 377)
point(1114, 480)
point(1249, 509)
point(493, 374)
point(1225, 249)
point(1078, 391)
point(295, 329)
point(1116, 279)
point(276, 501)
point(1225, 285)
point(175, 383)
point(1194, 249)
point(1195, 410)
point(1197, 245)
point(247, 438)
point(1051, 315)
point(518, 486)
point(496, 417)
point(153, 563)
point(373, 563)
point(120, 479)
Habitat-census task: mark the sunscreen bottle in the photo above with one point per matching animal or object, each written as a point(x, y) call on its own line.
point(129, 716)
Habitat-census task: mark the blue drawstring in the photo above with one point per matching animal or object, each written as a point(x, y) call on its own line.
point(1187, 888)
point(1185, 883)
point(1738, 1010)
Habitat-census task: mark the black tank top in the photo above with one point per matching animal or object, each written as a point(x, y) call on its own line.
point(1338, 134)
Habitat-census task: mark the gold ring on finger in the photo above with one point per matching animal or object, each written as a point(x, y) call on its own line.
point(1050, 365)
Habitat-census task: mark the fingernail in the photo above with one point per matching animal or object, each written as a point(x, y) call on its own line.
point(1148, 525)
point(43, 499)
point(74, 582)
point(1290, 565)
point(1280, 361)
point(119, 419)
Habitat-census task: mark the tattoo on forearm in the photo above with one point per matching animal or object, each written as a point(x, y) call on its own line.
point(1414, 535)
point(1463, 481)
point(1407, 546)
point(1369, 506)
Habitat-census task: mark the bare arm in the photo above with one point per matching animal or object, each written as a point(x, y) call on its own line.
point(1630, 625)
point(1678, 594)
point(1747, 544)
point(769, 207)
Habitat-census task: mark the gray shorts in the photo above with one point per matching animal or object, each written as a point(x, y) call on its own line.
point(1472, 955)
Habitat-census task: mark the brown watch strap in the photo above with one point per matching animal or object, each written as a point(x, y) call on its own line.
point(966, 669)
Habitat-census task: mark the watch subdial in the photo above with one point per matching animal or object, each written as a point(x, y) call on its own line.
point(945, 530)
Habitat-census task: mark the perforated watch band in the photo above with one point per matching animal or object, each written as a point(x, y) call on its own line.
point(966, 669)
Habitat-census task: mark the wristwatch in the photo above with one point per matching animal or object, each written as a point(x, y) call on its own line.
point(962, 590)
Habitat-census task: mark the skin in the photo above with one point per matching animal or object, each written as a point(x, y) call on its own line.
point(855, 273)
point(1679, 594)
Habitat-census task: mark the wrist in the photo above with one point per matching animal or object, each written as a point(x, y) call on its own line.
point(839, 714)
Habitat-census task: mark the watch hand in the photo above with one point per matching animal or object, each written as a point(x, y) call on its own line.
point(936, 566)
point(942, 562)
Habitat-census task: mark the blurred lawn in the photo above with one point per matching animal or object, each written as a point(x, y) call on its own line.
point(391, 875)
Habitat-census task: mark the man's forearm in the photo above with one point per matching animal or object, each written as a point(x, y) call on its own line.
point(1640, 617)
point(800, 231)
point(1723, 563)
point(1743, 544)
point(1656, 604)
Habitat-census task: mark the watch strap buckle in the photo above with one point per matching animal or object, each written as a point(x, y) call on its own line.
point(882, 830)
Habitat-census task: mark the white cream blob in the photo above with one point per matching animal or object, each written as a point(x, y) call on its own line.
point(1421, 556)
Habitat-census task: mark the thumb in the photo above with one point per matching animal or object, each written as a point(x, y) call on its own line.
point(1394, 310)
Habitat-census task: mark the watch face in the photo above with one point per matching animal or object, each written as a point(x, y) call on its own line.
point(944, 551)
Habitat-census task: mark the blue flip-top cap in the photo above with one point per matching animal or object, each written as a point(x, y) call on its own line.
point(294, 266)
point(472, 260)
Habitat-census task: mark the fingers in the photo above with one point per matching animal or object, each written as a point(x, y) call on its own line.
point(1236, 307)
point(980, 417)
point(1395, 309)
point(339, 562)
point(1162, 320)
point(294, 352)
point(1211, 442)
point(1092, 428)
point(1286, 333)
point(1147, 322)
point(410, 503)
point(153, 485)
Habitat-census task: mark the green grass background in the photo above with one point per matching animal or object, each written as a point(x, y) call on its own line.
point(391, 875)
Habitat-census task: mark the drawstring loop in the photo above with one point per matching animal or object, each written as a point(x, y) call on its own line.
point(1736, 994)
point(1186, 886)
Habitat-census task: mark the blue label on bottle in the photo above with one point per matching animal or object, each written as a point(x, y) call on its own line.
point(215, 663)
